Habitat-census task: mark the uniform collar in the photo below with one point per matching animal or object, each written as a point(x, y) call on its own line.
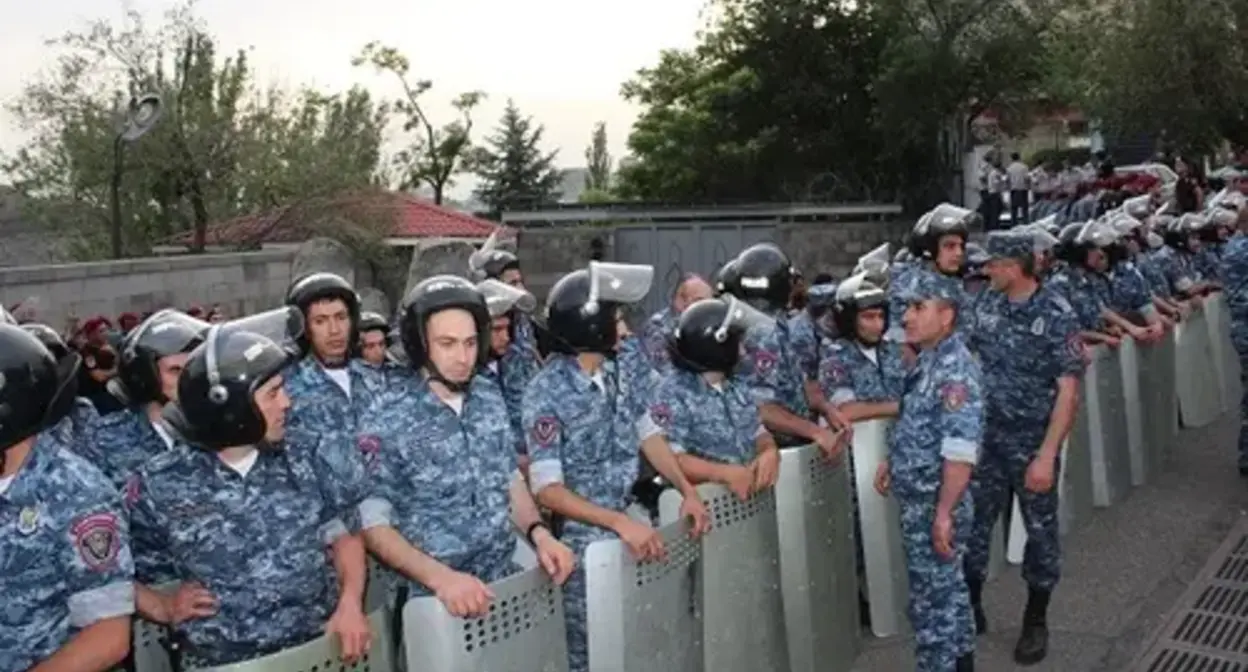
point(26, 487)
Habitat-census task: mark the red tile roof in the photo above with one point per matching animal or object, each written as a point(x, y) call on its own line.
point(412, 218)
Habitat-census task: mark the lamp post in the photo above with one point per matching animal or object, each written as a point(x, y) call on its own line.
point(140, 117)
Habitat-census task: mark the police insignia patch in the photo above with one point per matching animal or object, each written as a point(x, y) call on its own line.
point(833, 371)
point(97, 540)
point(370, 449)
point(662, 414)
point(1074, 345)
point(953, 395)
point(764, 362)
point(545, 429)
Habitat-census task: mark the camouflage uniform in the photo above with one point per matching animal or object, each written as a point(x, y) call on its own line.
point(773, 370)
point(65, 552)
point(941, 419)
point(512, 373)
point(1128, 290)
point(1083, 293)
point(805, 339)
point(584, 434)
point(257, 542)
point(720, 423)
point(848, 373)
point(442, 478)
point(654, 335)
point(119, 443)
point(1235, 273)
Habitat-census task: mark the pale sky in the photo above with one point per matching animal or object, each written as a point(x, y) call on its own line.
point(562, 61)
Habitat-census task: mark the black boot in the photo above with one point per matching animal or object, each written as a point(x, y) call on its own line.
point(966, 663)
point(976, 588)
point(1033, 642)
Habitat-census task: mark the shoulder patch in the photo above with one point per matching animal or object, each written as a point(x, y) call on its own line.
point(97, 538)
point(764, 361)
point(1074, 345)
point(953, 396)
point(369, 446)
point(545, 430)
point(662, 414)
point(833, 370)
point(1062, 303)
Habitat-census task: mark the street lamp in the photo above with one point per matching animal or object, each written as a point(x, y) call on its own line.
point(141, 117)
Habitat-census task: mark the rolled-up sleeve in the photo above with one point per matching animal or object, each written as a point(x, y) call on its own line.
point(375, 512)
point(544, 437)
point(101, 574)
point(962, 417)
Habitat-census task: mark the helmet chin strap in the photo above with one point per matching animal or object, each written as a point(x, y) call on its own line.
point(435, 375)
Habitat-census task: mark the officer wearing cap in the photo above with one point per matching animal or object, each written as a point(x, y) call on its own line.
point(67, 579)
point(374, 340)
point(247, 514)
point(1027, 340)
point(938, 244)
point(1234, 265)
point(859, 372)
point(932, 452)
point(152, 357)
point(712, 420)
point(584, 416)
point(443, 461)
point(787, 397)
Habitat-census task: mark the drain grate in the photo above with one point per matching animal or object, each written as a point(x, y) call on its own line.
point(1208, 629)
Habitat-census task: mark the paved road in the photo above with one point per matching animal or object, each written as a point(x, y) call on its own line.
point(1124, 567)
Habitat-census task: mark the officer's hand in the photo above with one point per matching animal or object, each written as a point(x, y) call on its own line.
point(882, 479)
point(942, 535)
point(189, 602)
point(830, 443)
point(351, 628)
point(740, 480)
point(464, 595)
point(642, 540)
point(766, 469)
point(1111, 341)
point(1039, 477)
point(694, 512)
point(837, 420)
point(1185, 310)
point(558, 560)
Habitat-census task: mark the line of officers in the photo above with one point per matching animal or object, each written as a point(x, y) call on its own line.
point(234, 500)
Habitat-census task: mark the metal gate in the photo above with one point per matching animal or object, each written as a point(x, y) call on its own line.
point(685, 247)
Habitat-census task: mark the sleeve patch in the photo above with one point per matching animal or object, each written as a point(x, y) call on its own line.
point(764, 361)
point(370, 450)
point(834, 371)
point(662, 414)
point(545, 429)
point(97, 540)
point(954, 396)
point(1074, 345)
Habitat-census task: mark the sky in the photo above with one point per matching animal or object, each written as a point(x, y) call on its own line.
point(562, 61)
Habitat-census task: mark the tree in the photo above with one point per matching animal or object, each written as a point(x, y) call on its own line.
point(435, 155)
point(221, 149)
point(514, 171)
point(598, 161)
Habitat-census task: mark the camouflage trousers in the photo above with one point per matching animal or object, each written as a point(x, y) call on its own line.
point(578, 537)
point(998, 475)
point(1243, 407)
point(940, 606)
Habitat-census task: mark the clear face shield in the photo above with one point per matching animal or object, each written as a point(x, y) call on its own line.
point(284, 326)
point(859, 290)
point(875, 263)
point(479, 258)
point(501, 298)
point(739, 316)
point(1042, 241)
point(6, 317)
point(1097, 233)
point(946, 217)
point(617, 283)
point(1139, 207)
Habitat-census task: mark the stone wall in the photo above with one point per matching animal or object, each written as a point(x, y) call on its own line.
point(241, 283)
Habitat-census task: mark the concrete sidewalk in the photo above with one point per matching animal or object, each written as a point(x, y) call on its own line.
point(1124, 567)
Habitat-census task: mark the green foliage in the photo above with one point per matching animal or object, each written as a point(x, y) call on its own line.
point(598, 162)
point(221, 149)
point(597, 196)
point(435, 155)
point(514, 171)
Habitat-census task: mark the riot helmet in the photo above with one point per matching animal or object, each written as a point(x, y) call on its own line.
point(728, 278)
point(321, 286)
point(820, 299)
point(430, 297)
point(708, 334)
point(582, 308)
point(166, 333)
point(505, 303)
point(49, 338)
point(491, 262)
point(35, 391)
point(216, 406)
point(370, 321)
point(854, 296)
point(945, 219)
point(766, 279)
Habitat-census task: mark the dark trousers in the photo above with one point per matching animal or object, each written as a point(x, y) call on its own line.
point(990, 208)
point(1020, 207)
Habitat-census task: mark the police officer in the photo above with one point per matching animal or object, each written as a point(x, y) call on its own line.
point(584, 417)
point(931, 454)
point(246, 516)
point(937, 243)
point(788, 400)
point(1028, 343)
point(860, 373)
point(152, 357)
point(77, 424)
point(1081, 251)
point(1234, 268)
point(659, 327)
point(508, 305)
point(494, 263)
point(445, 470)
point(712, 421)
point(67, 579)
point(374, 339)
point(1129, 295)
point(325, 386)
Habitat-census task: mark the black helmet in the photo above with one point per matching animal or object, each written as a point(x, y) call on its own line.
point(708, 334)
point(374, 322)
point(321, 286)
point(727, 278)
point(434, 295)
point(35, 391)
point(943, 220)
point(854, 295)
point(820, 300)
point(216, 407)
point(49, 338)
point(489, 262)
point(168, 332)
point(583, 306)
point(766, 279)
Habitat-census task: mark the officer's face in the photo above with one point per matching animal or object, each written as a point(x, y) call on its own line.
point(949, 253)
point(871, 325)
point(513, 277)
point(373, 347)
point(453, 344)
point(169, 369)
point(500, 335)
point(1002, 273)
point(1193, 242)
point(329, 327)
point(272, 402)
point(926, 322)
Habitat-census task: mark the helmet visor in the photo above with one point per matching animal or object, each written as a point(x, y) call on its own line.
point(284, 326)
point(502, 298)
point(619, 283)
point(740, 316)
